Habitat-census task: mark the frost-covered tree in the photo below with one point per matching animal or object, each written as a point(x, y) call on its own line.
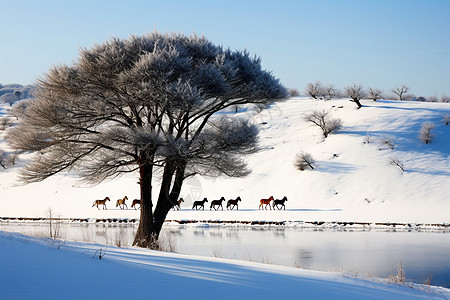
point(324, 121)
point(356, 92)
point(141, 104)
point(425, 134)
point(315, 90)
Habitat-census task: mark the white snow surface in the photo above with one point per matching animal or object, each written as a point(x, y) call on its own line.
point(33, 268)
point(353, 181)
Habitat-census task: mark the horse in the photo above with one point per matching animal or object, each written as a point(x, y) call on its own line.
point(136, 201)
point(265, 202)
point(122, 202)
point(101, 202)
point(234, 203)
point(277, 202)
point(217, 203)
point(199, 204)
point(178, 205)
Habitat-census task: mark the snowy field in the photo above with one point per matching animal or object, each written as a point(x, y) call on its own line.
point(50, 270)
point(353, 179)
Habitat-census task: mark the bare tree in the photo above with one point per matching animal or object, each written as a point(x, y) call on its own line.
point(323, 120)
point(356, 92)
point(400, 92)
point(425, 134)
point(293, 92)
point(145, 104)
point(331, 92)
point(304, 161)
point(374, 94)
point(315, 90)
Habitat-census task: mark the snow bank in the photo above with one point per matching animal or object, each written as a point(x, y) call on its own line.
point(42, 269)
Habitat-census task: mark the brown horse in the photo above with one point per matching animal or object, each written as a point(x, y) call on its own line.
point(217, 203)
point(279, 203)
point(232, 203)
point(136, 201)
point(178, 205)
point(265, 202)
point(101, 202)
point(122, 202)
point(199, 204)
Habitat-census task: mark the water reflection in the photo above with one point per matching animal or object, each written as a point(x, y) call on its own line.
point(424, 255)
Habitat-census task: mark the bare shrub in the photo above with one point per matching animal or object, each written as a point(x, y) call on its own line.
point(323, 120)
point(425, 134)
point(386, 142)
point(444, 99)
point(331, 92)
point(397, 162)
point(315, 90)
point(367, 139)
point(446, 119)
point(304, 161)
point(356, 92)
point(54, 225)
point(164, 243)
point(100, 253)
point(293, 92)
point(121, 238)
point(400, 276)
point(374, 94)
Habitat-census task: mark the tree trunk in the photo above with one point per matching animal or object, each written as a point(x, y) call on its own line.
point(151, 223)
point(145, 234)
point(357, 103)
point(167, 197)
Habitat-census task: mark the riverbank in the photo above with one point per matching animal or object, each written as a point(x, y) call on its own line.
point(444, 227)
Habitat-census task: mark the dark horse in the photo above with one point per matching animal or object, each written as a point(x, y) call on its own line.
point(232, 203)
point(279, 203)
point(178, 205)
point(217, 203)
point(135, 203)
point(199, 204)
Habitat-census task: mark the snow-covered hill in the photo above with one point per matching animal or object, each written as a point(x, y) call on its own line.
point(353, 179)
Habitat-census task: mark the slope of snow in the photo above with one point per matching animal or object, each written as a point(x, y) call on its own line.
point(36, 268)
point(353, 180)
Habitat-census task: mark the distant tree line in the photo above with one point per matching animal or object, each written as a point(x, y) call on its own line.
point(11, 93)
point(357, 92)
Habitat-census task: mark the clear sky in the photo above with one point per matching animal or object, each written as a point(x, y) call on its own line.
point(377, 43)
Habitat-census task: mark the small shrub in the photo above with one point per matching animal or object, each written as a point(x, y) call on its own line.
point(293, 92)
point(396, 162)
point(400, 276)
point(446, 119)
point(425, 134)
point(304, 161)
point(386, 142)
point(323, 120)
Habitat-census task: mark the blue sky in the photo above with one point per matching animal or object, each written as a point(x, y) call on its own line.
point(377, 43)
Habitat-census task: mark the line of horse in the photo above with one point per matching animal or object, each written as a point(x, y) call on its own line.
point(270, 202)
